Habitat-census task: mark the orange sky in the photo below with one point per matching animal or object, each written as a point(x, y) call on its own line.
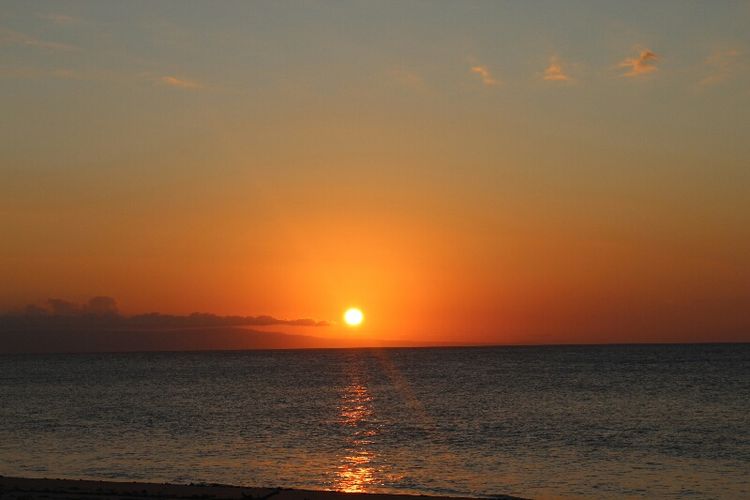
point(591, 188)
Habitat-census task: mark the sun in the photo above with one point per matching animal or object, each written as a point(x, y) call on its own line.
point(353, 317)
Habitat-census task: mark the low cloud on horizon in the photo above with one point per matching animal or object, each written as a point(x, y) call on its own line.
point(102, 311)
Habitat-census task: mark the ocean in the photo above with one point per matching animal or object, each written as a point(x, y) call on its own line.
point(561, 421)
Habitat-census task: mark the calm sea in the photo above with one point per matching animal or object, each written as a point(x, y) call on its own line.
point(615, 421)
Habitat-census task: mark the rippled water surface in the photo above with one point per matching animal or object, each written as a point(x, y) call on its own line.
point(654, 421)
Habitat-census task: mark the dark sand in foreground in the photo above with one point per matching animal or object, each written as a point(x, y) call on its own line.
point(14, 488)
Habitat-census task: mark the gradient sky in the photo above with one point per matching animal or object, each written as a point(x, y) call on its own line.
point(520, 172)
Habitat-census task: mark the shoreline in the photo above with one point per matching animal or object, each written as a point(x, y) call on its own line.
point(19, 488)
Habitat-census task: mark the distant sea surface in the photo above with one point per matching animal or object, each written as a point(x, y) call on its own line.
point(592, 421)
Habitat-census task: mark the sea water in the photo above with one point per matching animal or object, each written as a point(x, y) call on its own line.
point(584, 421)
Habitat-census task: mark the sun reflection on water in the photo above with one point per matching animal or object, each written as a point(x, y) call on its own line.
point(355, 472)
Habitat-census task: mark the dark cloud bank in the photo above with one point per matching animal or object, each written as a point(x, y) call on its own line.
point(97, 326)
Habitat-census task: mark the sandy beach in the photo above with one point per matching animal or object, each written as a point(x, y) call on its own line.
point(16, 488)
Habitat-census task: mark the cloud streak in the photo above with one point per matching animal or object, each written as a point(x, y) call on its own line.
point(407, 78)
point(721, 65)
point(31, 73)
point(58, 18)
point(10, 37)
point(554, 72)
point(484, 73)
point(181, 83)
point(643, 64)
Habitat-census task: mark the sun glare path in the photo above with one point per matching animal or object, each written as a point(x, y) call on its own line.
point(353, 317)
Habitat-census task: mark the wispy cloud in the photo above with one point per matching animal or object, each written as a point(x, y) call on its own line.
point(554, 72)
point(178, 82)
point(484, 73)
point(643, 64)
point(58, 18)
point(407, 78)
point(94, 75)
point(10, 37)
point(721, 64)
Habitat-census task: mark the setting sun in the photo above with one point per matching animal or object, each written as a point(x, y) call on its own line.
point(353, 317)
